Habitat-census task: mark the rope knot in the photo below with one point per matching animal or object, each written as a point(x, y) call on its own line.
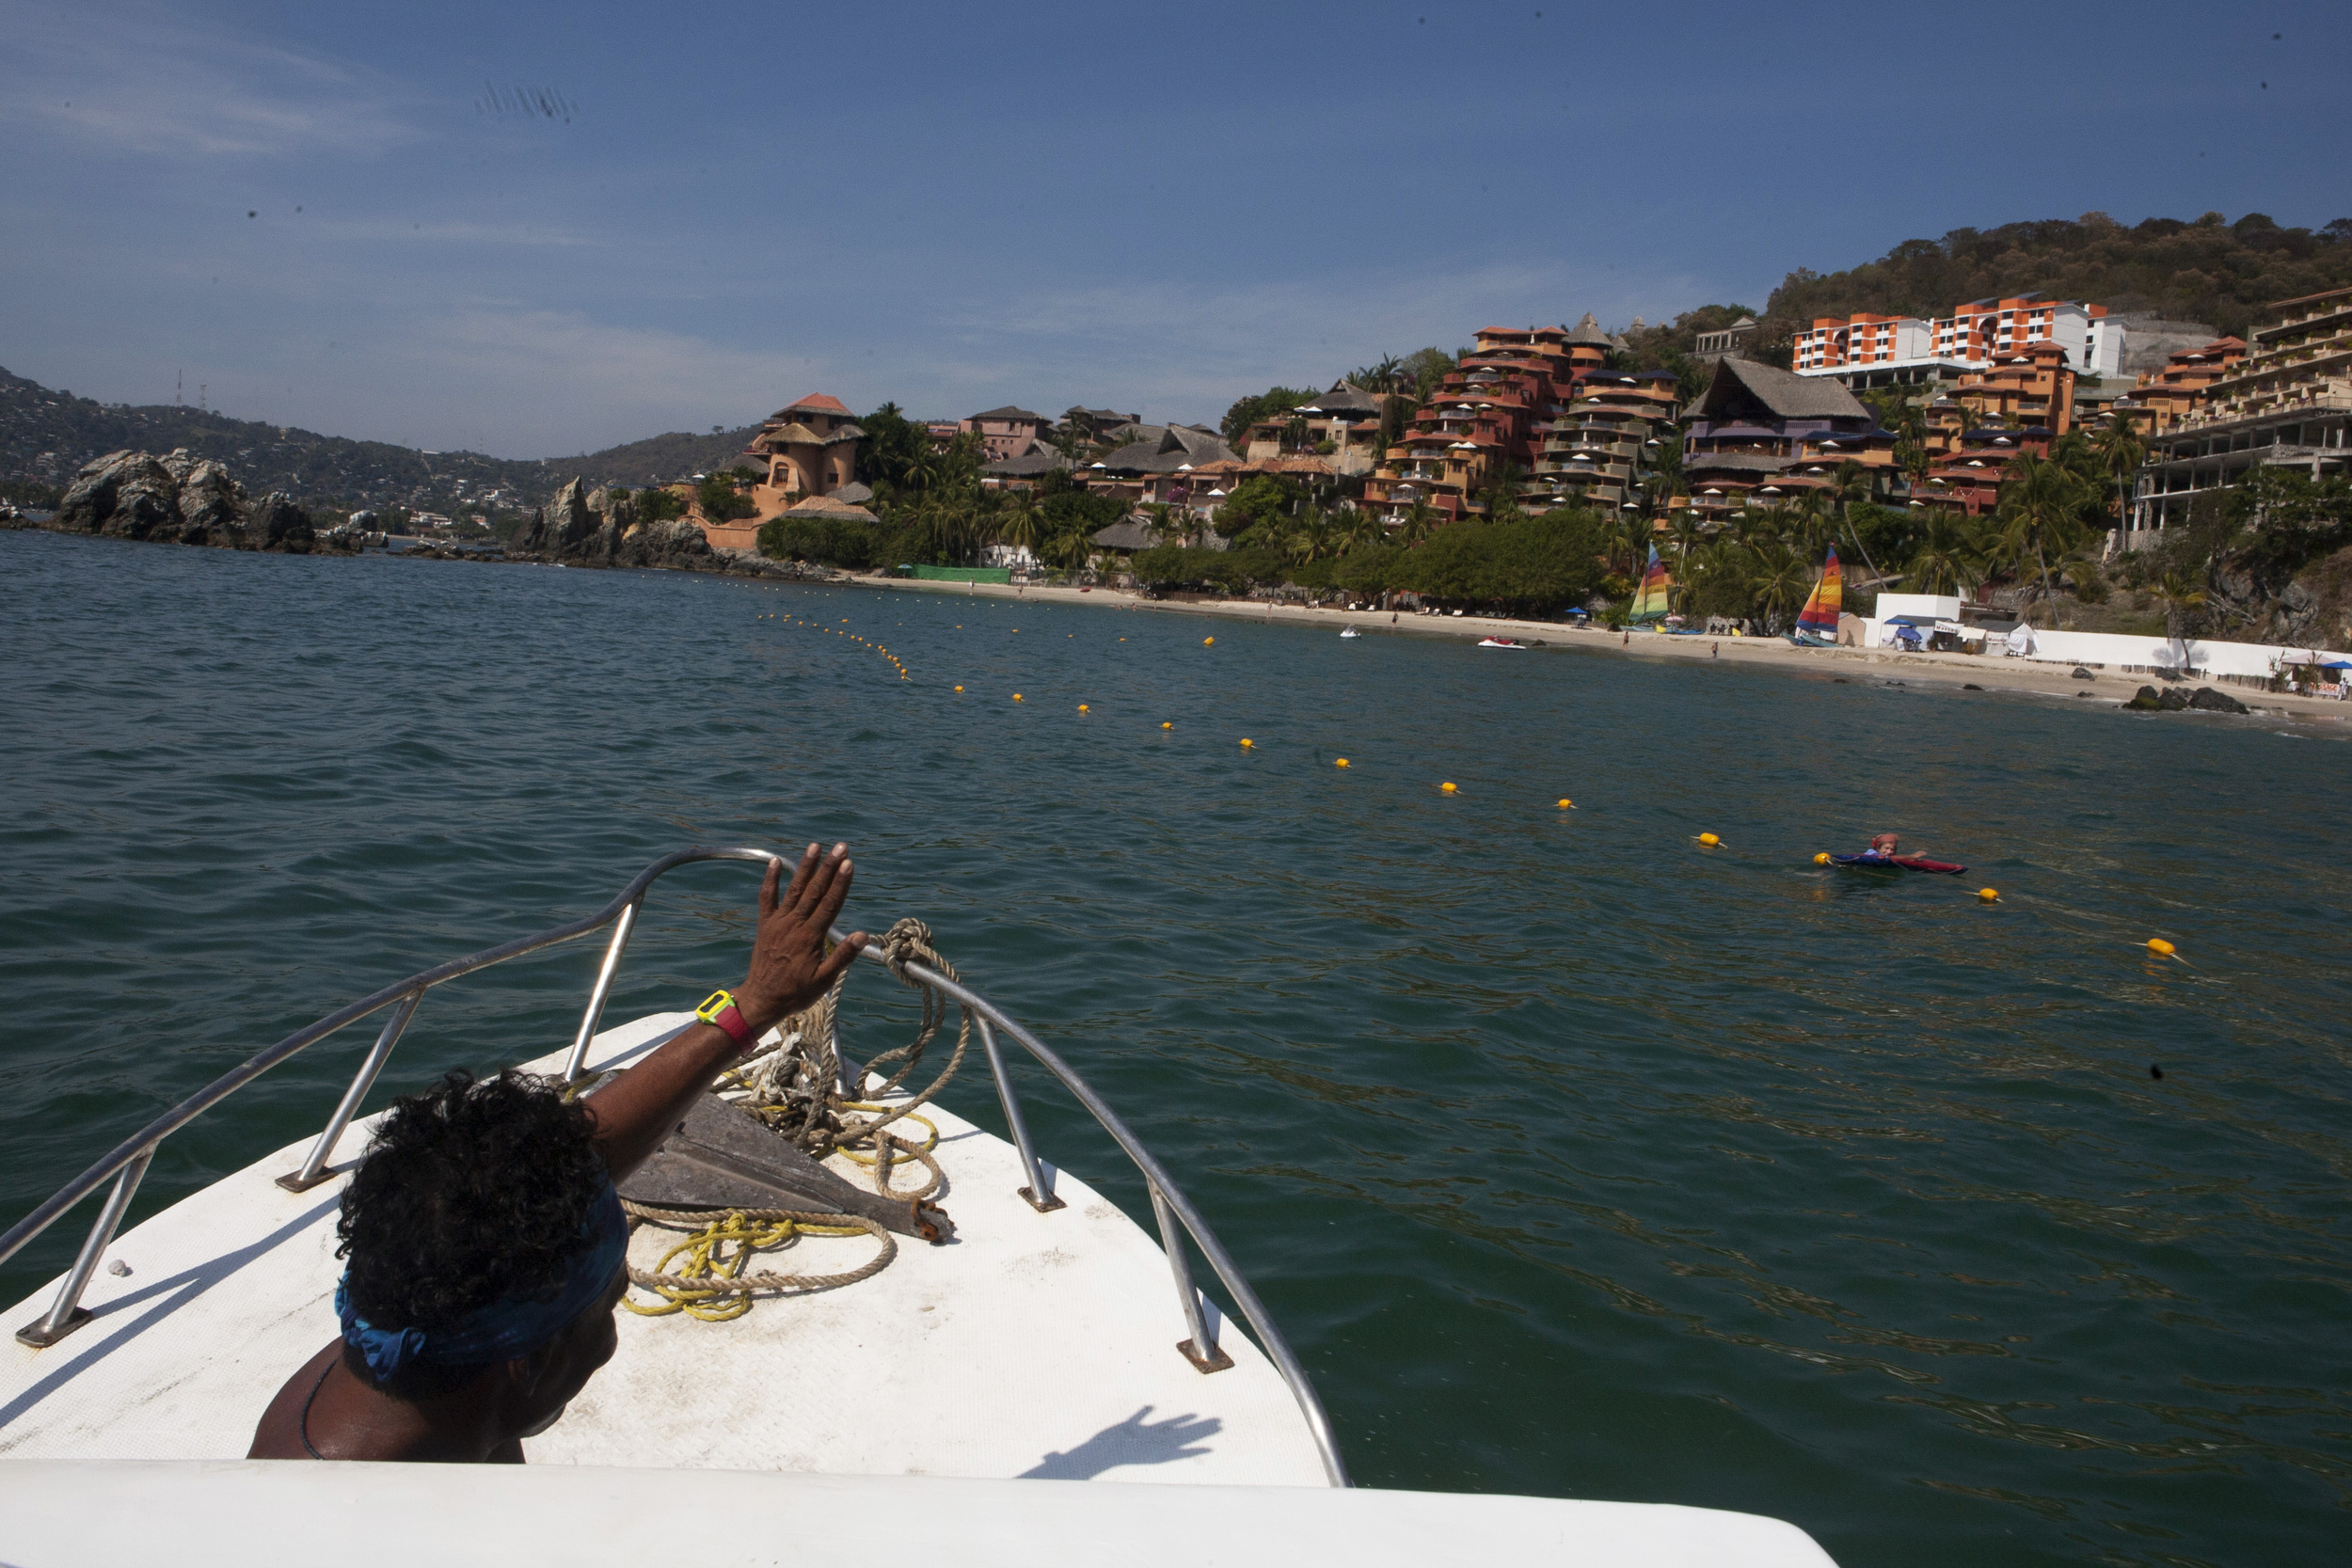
point(911, 940)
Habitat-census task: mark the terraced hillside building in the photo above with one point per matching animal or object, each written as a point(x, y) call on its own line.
point(1496, 407)
point(2289, 402)
point(1763, 435)
point(1605, 441)
point(2163, 397)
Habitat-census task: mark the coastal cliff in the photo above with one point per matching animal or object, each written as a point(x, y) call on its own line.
point(184, 499)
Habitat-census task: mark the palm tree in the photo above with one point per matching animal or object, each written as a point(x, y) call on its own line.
point(1853, 482)
point(2038, 516)
point(2120, 452)
point(1420, 521)
point(1943, 562)
point(2177, 591)
point(1020, 519)
point(1782, 584)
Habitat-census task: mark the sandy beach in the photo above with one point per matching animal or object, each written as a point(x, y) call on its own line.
point(1953, 673)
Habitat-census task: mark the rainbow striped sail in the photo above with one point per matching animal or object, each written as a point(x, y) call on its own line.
point(1819, 616)
point(1649, 601)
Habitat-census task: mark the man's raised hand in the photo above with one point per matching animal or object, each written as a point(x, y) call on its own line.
point(790, 967)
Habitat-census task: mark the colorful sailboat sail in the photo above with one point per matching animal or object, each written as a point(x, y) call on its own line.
point(1650, 600)
point(1819, 616)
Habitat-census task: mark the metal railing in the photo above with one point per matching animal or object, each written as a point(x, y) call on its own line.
point(1177, 1218)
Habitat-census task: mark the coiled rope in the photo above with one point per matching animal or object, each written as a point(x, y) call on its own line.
point(795, 1088)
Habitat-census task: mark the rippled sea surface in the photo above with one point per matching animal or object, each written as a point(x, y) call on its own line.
point(1573, 1157)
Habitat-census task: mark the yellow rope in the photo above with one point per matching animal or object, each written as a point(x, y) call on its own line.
point(710, 1283)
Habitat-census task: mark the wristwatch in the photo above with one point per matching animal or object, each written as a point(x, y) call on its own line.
point(719, 1009)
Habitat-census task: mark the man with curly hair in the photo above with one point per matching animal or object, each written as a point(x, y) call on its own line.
point(483, 1236)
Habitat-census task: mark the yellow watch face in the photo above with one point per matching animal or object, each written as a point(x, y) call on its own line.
point(719, 1002)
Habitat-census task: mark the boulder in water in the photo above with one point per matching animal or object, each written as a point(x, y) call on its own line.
point(2209, 701)
point(2145, 700)
point(126, 494)
point(279, 524)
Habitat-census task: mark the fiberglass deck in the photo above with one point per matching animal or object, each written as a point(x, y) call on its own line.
point(1036, 1345)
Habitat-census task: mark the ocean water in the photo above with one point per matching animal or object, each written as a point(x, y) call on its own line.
point(1573, 1157)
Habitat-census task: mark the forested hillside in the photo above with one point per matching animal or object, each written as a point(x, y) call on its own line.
point(2210, 270)
point(45, 436)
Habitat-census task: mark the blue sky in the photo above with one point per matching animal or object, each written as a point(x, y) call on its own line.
point(1154, 208)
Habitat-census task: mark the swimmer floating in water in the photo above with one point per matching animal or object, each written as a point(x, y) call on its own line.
point(1885, 847)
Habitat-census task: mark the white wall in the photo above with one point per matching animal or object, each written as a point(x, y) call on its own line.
point(2259, 659)
point(1944, 607)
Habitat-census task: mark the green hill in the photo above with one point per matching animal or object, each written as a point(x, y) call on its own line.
point(45, 436)
point(2205, 271)
point(2209, 271)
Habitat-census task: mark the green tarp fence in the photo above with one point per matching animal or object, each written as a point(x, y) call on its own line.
point(960, 573)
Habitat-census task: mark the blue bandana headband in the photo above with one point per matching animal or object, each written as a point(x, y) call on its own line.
point(506, 1328)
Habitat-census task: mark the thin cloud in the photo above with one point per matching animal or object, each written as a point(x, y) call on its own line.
point(146, 84)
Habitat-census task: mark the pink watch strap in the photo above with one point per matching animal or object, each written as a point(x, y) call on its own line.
point(732, 1022)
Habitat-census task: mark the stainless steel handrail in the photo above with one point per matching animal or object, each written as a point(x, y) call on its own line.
point(129, 1160)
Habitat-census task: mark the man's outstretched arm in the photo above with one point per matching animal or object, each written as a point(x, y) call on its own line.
point(789, 971)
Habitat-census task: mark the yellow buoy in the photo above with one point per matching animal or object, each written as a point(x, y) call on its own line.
point(1822, 859)
point(1082, 707)
point(1566, 804)
point(1341, 763)
point(1206, 641)
point(1246, 742)
point(1445, 789)
point(1711, 841)
point(2160, 947)
point(1016, 696)
point(1989, 894)
point(1166, 725)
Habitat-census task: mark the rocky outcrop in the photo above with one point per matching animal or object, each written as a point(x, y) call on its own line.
point(2173, 700)
point(182, 499)
point(601, 528)
point(2209, 701)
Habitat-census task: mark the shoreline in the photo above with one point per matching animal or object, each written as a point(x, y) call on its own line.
point(1951, 672)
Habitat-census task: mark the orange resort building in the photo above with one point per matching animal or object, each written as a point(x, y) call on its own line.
point(1763, 436)
point(1496, 407)
point(2020, 402)
point(2164, 396)
point(2288, 402)
point(1866, 351)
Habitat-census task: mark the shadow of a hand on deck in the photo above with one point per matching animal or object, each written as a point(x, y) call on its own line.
point(1133, 1441)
